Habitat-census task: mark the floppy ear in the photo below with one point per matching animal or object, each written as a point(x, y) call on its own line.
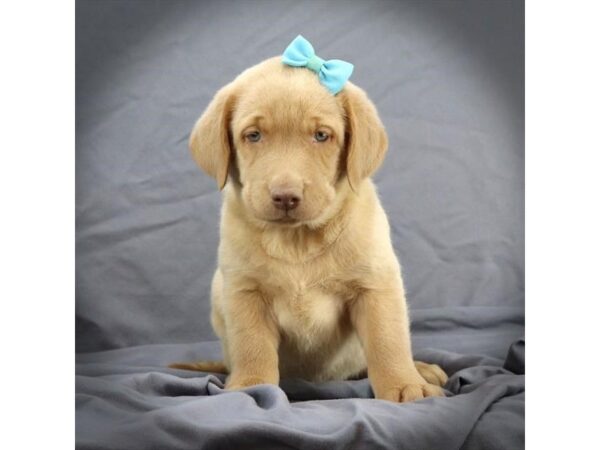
point(366, 139)
point(210, 143)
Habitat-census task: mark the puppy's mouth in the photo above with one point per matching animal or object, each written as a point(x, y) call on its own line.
point(286, 219)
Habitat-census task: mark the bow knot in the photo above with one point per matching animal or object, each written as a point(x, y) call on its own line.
point(333, 73)
point(315, 63)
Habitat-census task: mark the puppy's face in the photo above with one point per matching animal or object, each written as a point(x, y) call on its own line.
point(289, 145)
point(288, 135)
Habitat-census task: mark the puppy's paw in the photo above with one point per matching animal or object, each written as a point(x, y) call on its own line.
point(411, 392)
point(432, 373)
point(408, 389)
point(244, 382)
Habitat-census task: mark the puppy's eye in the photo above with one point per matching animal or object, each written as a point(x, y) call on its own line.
point(321, 136)
point(253, 136)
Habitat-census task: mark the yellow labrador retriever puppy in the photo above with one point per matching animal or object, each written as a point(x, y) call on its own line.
point(307, 284)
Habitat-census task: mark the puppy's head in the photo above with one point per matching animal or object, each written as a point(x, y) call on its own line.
point(287, 144)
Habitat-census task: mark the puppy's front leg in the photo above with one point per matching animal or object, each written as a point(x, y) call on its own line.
point(381, 321)
point(252, 341)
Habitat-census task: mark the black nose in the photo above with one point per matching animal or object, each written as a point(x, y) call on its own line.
point(285, 200)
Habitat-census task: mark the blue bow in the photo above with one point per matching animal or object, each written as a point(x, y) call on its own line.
point(333, 74)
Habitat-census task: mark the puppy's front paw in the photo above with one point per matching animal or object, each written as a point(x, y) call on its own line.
point(412, 392)
point(244, 382)
point(408, 390)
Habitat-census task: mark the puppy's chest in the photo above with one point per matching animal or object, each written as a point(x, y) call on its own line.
point(306, 307)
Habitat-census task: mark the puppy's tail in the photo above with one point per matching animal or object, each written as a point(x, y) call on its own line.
point(202, 366)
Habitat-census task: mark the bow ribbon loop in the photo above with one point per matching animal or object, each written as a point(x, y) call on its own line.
point(333, 73)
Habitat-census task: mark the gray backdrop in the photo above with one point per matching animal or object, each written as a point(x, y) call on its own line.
point(446, 77)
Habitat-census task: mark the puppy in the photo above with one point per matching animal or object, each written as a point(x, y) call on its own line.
point(307, 284)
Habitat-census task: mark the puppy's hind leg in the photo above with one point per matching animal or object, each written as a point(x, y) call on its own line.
point(202, 366)
point(433, 373)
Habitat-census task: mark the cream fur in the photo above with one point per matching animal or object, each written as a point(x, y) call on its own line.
point(317, 294)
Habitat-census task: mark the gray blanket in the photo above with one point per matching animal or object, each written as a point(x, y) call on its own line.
point(128, 399)
point(447, 79)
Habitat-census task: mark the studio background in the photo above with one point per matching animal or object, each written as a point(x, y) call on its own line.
point(447, 78)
